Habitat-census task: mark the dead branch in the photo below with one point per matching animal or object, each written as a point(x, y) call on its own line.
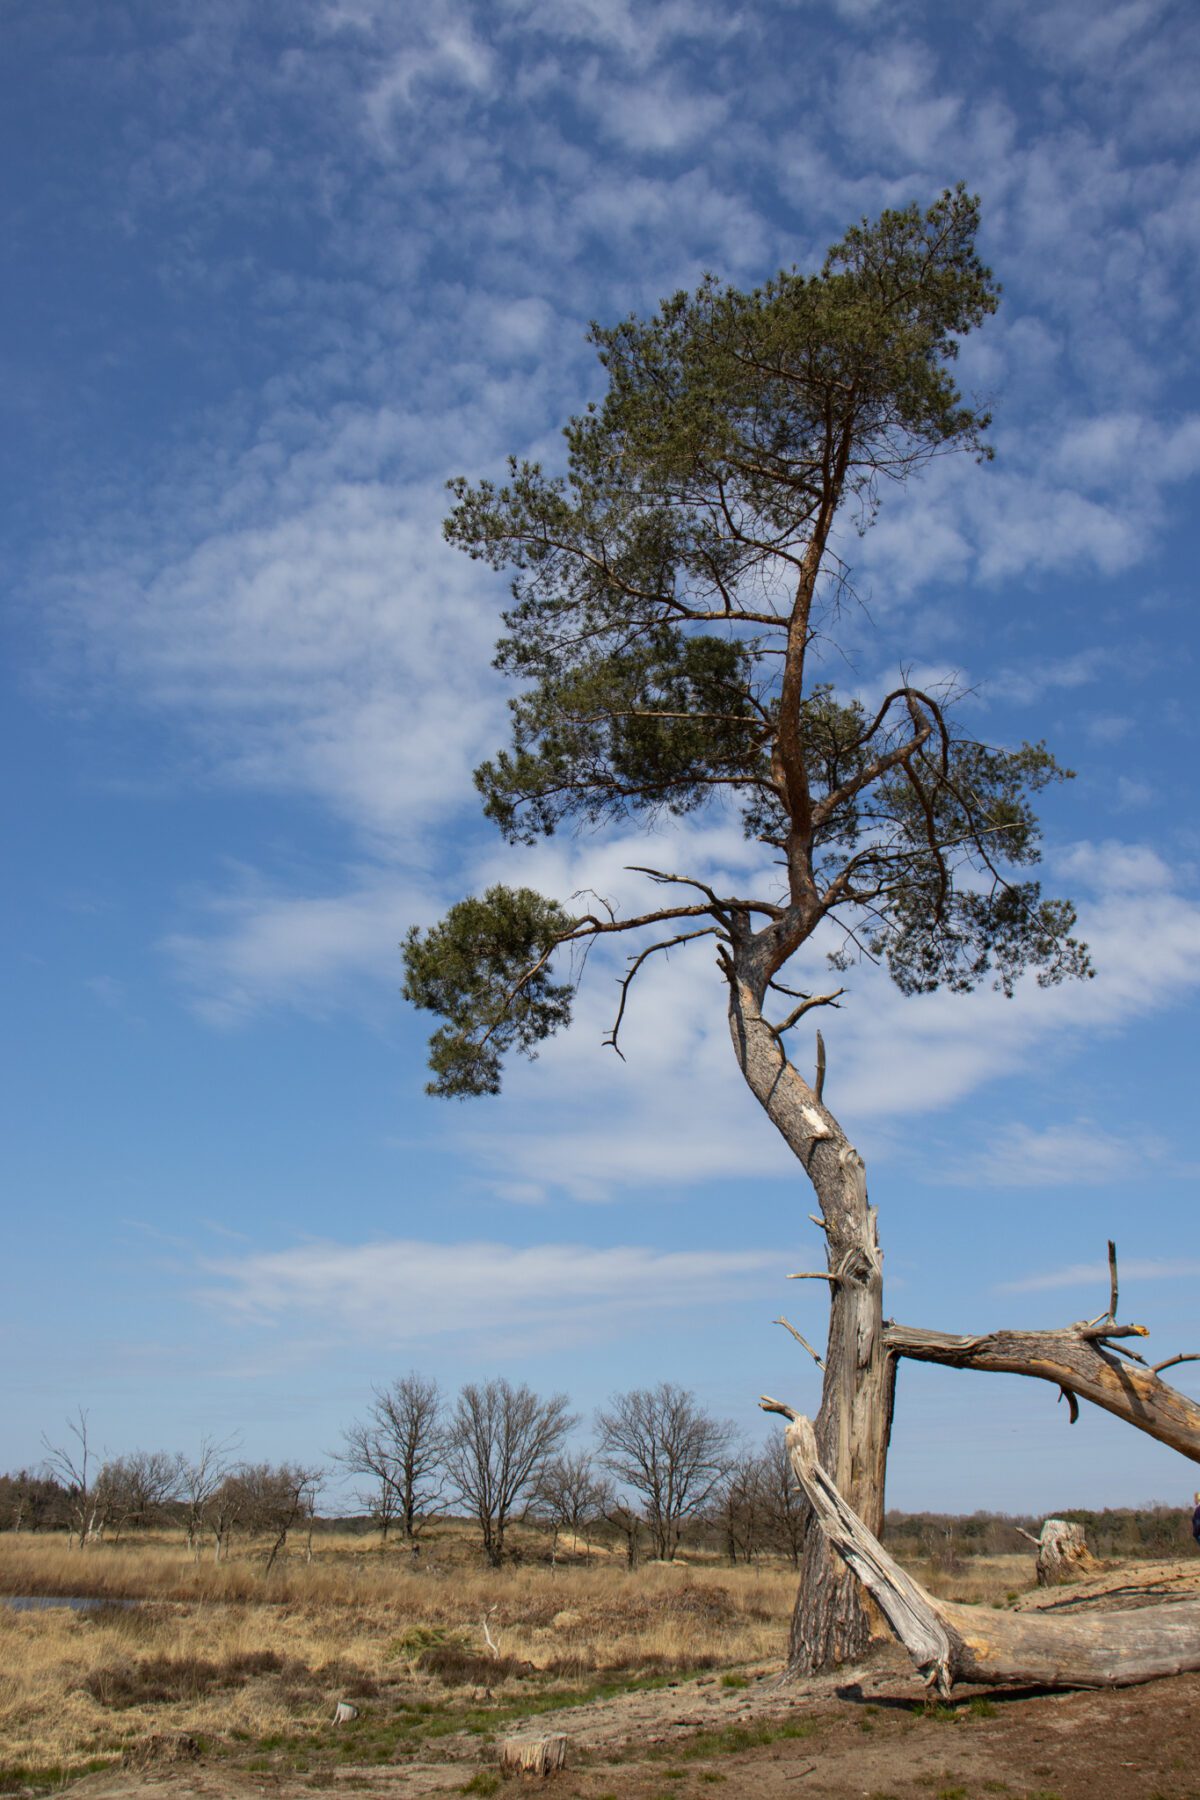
point(806, 1006)
point(800, 1339)
point(683, 937)
point(1112, 1287)
point(1077, 1359)
point(819, 1083)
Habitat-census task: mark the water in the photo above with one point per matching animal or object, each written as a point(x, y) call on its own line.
point(76, 1602)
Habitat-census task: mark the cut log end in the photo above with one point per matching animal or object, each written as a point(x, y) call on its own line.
point(534, 1756)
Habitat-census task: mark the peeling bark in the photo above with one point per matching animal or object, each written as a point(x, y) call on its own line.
point(830, 1623)
point(1063, 1553)
point(949, 1642)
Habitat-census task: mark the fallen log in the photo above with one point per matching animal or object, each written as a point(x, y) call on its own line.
point(950, 1642)
point(1137, 1586)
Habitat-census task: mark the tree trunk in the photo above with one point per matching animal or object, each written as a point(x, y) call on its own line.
point(831, 1623)
point(950, 1642)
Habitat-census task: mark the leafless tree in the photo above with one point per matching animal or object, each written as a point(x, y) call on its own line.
point(199, 1482)
point(31, 1502)
point(225, 1508)
point(570, 1494)
point(134, 1490)
point(499, 1441)
point(744, 1507)
point(617, 1511)
point(269, 1498)
point(786, 1507)
point(671, 1453)
point(282, 1496)
point(401, 1447)
point(72, 1464)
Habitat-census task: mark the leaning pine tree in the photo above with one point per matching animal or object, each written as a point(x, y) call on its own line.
point(668, 593)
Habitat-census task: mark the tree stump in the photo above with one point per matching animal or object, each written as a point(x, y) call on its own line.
point(534, 1756)
point(1063, 1554)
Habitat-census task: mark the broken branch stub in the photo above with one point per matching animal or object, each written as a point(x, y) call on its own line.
point(950, 1642)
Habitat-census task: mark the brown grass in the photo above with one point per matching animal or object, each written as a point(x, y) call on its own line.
point(224, 1653)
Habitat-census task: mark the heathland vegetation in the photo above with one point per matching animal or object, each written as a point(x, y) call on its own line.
point(486, 1569)
point(660, 1476)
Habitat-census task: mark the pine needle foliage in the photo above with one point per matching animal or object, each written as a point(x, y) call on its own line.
point(669, 588)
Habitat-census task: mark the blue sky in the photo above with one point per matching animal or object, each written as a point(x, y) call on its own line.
point(276, 272)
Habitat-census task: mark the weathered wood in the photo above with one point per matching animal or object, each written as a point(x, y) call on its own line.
point(1139, 1584)
point(950, 1642)
point(1063, 1554)
point(534, 1756)
point(830, 1623)
point(1079, 1359)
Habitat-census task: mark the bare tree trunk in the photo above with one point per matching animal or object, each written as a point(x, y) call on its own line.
point(831, 1623)
point(950, 1642)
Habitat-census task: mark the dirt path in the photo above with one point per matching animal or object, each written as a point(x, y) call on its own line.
point(865, 1733)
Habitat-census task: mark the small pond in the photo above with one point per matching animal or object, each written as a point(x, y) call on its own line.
point(76, 1602)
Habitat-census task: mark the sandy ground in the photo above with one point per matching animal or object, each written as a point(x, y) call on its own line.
point(867, 1734)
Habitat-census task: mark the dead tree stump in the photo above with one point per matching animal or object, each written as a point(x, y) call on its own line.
point(1063, 1554)
point(534, 1756)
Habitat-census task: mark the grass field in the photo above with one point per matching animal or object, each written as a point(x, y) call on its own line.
point(252, 1664)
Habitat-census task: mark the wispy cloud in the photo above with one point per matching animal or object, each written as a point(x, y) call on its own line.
point(253, 947)
point(405, 1291)
point(1076, 1153)
point(1094, 1275)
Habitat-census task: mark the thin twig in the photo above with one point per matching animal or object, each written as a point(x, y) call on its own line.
point(684, 937)
point(800, 1339)
point(798, 1012)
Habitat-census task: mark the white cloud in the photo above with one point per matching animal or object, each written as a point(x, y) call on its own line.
point(334, 648)
point(402, 1291)
point(1131, 795)
point(1078, 1153)
point(890, 99)
point(1094, 1275)
point(441, 50)
point(254, 948)
point(656, 115)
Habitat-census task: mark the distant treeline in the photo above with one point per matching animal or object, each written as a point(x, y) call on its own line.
point(662, 1473)
point(1118, 1532)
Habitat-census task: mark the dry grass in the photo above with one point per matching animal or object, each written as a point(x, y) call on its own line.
point(221, 1652)
point(977, 1580)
